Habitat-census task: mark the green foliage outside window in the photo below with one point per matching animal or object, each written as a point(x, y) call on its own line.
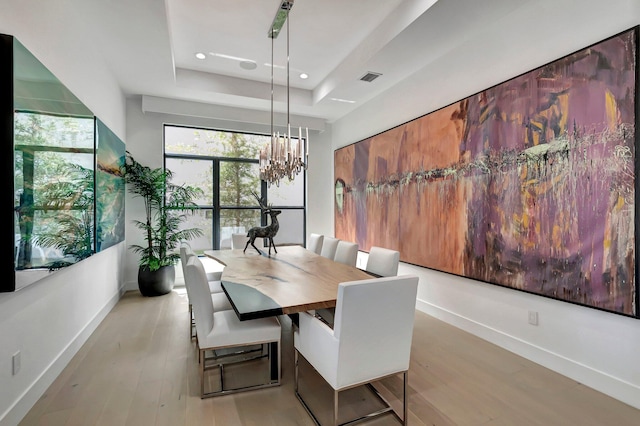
point(225, 166)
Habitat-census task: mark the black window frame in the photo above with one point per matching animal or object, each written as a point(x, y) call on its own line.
point(216, 208)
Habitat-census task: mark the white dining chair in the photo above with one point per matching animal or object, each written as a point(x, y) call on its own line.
point(220, 300)
point(214, 279)
point(222, 330)
point(215, 287)
point(213, 268)
point(314, 243)
point(238, 241)
point(346, 252)
point(329, 246)
point(183, 262)
point(218, 297)
point(383, 262)
point(368, 312)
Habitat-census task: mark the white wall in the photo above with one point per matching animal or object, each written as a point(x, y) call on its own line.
point(62, 45)
point(48, 321)
point(596, 348)
point(320, 184)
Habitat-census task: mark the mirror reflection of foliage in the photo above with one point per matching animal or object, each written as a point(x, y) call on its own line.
point(70, 227)
point(51, 130)
point(29, 130)
point(53, 191)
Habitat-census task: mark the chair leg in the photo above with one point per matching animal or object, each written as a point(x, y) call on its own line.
point(274, 366)
point(191, 321)
point(295, 371)
point(272, 350)
point(202, 362)
point(335, 407)
point(387, 409)
point(302, 401)
point(405, 404)
point(222, 377)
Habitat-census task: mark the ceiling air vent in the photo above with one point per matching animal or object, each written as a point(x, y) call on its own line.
point(370, 76)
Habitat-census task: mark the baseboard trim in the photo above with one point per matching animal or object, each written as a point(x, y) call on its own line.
point(29, 397)
point(131, 286)
point(595, 379)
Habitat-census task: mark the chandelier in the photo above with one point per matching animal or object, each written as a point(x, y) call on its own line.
point(283, 155)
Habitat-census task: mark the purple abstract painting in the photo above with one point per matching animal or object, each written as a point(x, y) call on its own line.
point(529, 184)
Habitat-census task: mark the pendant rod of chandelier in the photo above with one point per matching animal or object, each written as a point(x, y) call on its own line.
point(281, 157)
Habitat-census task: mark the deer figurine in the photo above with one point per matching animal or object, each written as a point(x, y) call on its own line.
point(268, 231)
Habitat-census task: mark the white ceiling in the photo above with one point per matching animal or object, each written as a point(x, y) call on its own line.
point(150, 46)
point(438, 45)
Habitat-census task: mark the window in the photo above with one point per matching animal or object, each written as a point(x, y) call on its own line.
point(225, 166)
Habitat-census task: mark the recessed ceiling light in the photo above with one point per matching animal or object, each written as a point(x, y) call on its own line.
point(304, 76)
point(343, 100)
point(200, 55)
point(233, 58)
point(284, 67)
point(248, 65)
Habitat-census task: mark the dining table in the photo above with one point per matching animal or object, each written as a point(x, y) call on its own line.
point(285, 282)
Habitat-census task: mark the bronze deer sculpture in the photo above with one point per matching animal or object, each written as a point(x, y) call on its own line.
point(268, 231)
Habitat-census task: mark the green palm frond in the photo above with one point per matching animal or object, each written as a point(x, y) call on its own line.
point(166, 205)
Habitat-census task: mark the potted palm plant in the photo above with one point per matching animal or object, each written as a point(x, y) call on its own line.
point(165, 205)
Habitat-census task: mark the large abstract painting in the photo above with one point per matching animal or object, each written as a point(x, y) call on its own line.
point(529, 184)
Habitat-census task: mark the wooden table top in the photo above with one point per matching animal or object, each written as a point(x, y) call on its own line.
point(293, 280)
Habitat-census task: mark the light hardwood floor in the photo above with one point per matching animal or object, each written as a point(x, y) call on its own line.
point(140, 368)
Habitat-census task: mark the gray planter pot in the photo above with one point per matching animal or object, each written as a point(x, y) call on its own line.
point(156, 283)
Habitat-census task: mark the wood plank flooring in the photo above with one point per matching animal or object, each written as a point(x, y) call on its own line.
point(140, 368)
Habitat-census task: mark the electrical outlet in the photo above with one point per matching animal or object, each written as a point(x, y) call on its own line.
point(533, 318)
point(15, 362)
